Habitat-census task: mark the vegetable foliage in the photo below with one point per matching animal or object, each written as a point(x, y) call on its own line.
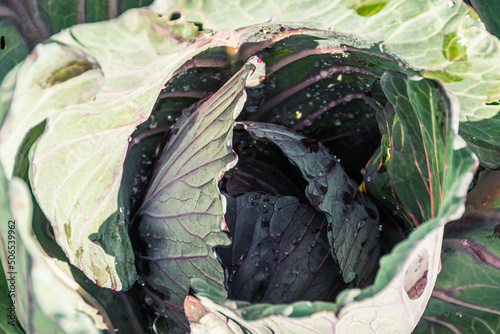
point(267, 167)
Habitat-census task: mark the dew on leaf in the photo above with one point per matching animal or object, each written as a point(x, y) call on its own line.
point(361, 223)
point(251, 109)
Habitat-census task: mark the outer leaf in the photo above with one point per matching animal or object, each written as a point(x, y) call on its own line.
point(182, 216)
point(24, 24)
point(467, 301)
point(407, 275)
point(353, 220)
point(115, 308)
point(53, 77)
point(442, 38)
point(46, 299)
point(488, 11)
point(9, 322)
point(8, 310)
point(395, 273)
point(279, 252)
point(486, 193)
point(77, 164)
point(207, 316)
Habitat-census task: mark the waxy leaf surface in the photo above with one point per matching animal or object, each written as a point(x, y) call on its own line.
point(182, 217)
point(25, 24)
point(209, 312)
point(353, 229)
point(419, 153)
point(46, 299)
point(467, 292)
point(279, 252)
point(406, 277)
point(77, 164)
point(443, 39)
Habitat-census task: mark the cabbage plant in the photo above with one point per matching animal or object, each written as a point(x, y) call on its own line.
point(255, 167)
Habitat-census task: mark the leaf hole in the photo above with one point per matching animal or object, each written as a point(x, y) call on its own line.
point(175, 16)
point(416, 275)
point(199, 26)
point(2, 42)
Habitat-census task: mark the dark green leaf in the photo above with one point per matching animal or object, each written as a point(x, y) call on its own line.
point(415, 32)
point(353, 229)
point(419, 150)
point(261, 168)
point(488, 11)
point(280, 251)
point(12, 48)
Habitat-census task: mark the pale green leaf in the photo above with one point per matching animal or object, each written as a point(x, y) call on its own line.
point(46, 298)
point(182, 217)
point(441, 38)
point(77, 164)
